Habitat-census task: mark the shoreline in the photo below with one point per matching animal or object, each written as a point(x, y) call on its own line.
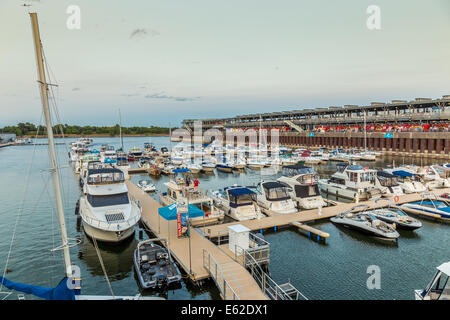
point(93, 136)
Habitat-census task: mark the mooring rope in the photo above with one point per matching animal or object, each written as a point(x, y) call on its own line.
point(103, 266)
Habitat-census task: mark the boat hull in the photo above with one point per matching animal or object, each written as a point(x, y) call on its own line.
point(107, 236)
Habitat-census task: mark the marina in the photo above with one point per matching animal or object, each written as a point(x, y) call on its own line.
point(311, 203)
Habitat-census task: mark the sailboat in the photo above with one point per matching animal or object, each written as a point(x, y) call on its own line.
point(69, 288)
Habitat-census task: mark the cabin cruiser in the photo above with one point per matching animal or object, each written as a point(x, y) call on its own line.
point(108, 214)
point(165, 152)
point(193, 167)
point(238, 202)
point(444, 173)
point(224, 167)
point(409, 182)
point(351, 182)
point(177, 190)
point(431, 177)
point(303, 188)
point(135, 151)
point(146, 186)
point(273, 198)
point(440, 208)
point(395, 215)
point(208, 166)
point(154, 265)
point(439, 287)
point(256, 163)
point(388, 184)
point(84, 160)
point(365, 222)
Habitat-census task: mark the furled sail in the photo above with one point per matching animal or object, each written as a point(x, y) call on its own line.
point(60, 292)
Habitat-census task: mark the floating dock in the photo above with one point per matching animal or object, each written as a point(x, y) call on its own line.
point(275, 221)
point(198, 256)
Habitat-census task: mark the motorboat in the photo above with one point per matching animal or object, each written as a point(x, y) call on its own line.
point(122, 164)
point(208, 166)
point(177, 190)
point(409, 182)
point(108, 214)
point(352, 182)
point(224, 167)
point(273, 198)
point(431, 204)
point(388, 184)
point(238, 202)
point(365, 223)
point(432, 177)
point(92, 164)
point(303, 187)
point(439, 287)
point(135, 151)
point(256, 163)
point(165, 152)
point(195, 168)
point(146, 186)
point(395, 215)
point(154, 265)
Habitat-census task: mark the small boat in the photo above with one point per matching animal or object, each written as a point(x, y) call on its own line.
point(430, 205)
point(154, 265)
point(208, 166)
point(146, 185)
point(439, 287)
point(238, 202)
point(408, 181)
point(398, 216)
point(365, 223)
point(195, 168)
point(273, 198)
point(131, 158)
point(135, 151)
point(224, 167)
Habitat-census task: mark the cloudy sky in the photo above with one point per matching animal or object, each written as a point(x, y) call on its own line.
point(162, 61)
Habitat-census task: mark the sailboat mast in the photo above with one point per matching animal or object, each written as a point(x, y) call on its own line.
point(51, 146)
point(120, 128)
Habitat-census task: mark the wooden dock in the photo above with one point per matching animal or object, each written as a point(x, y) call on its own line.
point(279, 220)
point(189, 252)
point(308, 230)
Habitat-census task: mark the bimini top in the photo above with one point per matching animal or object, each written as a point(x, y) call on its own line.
point(273, 184)
point(181, 170)
point(104, 170)
point(403, 173)
point(385, 174)
point(240, 191)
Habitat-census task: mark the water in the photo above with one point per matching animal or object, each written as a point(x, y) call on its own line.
point(334, 270)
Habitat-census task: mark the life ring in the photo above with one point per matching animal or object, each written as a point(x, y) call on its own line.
point(396, 198)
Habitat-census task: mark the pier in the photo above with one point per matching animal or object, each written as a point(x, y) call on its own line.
point(199, 257)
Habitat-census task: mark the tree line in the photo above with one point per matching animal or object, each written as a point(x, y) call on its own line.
point(29, 129)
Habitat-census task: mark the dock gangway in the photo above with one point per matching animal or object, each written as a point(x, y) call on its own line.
point(294, 126)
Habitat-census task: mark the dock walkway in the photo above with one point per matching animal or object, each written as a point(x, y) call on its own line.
point(190, 256)
point(274, 221)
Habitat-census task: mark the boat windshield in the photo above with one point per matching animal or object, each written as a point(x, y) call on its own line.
point(307, 191)
point(108, 200)
point(388, 182)
point(276, 194)
point(109, 177)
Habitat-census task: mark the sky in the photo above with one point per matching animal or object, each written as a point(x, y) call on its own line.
point(162, 61)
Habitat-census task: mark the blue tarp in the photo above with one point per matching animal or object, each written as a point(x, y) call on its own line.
point(240, 191)
point(403, 173)
point(109, 160)
point(170, 212)
point(61, 292)
point(180, 170)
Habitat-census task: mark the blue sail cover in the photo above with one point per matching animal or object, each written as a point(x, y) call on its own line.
point(60, 292)
point(170, 212)
point(403, 173)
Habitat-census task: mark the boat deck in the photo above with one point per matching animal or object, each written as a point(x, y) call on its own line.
point(235, 274)
point(274, 221)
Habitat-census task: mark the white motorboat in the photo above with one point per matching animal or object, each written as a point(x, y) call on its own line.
point(303, 187)
point(177, 190)
point(366, 223)
point(439, 287)
point(146, 186)
point(431, 177)
point(409, 182)
point(351, 182)
point(238, 202)
point(388, 184)
point(430, 204)
point(208, 166)
point(108, 214)
point(273, 198)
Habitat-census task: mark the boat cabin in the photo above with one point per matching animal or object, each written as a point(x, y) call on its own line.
point(105, 176)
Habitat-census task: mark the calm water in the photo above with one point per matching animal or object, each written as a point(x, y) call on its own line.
point(335, 270)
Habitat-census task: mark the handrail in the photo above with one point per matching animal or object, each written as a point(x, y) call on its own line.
point(269, 287)
point(221, 285)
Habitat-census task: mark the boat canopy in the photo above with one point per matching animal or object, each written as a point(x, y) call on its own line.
point(273, 184)
point(240, 191)
point(297, 169)
point(181, 170)
point(403, 173)
point(170, 212)
point(385, 174)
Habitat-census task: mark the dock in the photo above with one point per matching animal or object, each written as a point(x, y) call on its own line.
point(310, 231)
point(197, 255)
point(280, 220)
